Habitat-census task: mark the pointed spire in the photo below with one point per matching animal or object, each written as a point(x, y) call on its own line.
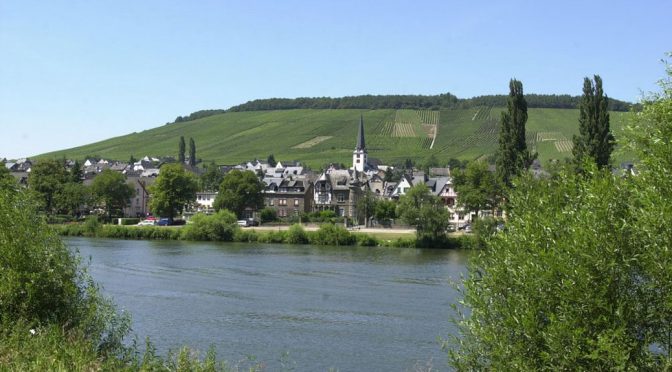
point(361, 145)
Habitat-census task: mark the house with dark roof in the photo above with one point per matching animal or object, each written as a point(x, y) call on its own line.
point(288, 196)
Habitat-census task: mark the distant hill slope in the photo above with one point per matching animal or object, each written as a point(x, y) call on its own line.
point(319, 137)
point(444, 101)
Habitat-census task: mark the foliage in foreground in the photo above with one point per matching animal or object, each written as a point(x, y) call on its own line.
point(52, 315)
point(582, 277)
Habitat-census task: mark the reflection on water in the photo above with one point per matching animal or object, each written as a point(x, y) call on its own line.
point(351, 308)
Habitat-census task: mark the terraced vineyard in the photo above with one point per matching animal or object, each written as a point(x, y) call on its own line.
point(320, 137)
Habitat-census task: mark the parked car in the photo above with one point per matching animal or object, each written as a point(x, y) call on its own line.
point(466, 227)
point(165, 221)
point(147, 223)
point(248, 222)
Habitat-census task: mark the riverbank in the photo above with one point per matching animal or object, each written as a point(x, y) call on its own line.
point(326, 234)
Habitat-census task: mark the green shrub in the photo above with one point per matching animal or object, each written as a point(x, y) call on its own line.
point(268, 215)
point(330, 234)
point(296, 234)
point(245, 236)
point(326, 215)
point(580, 279)
point(73, 229)
point(42, 284)
point(272, 237)
point(129, 221)
point(92, 225)
point(220, 226)
point(59, 218)
point(365, 240)
point(404, 243)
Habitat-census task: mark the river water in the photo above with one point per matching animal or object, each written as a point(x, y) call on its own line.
point(305, 308)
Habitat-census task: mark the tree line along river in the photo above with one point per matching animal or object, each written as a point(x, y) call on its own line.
point(310, 308)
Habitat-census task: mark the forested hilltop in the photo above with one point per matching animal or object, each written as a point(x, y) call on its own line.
point(418, 102)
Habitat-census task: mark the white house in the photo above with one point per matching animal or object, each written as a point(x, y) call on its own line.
point(205, 200)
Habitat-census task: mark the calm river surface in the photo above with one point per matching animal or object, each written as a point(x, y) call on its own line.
point(303, 307)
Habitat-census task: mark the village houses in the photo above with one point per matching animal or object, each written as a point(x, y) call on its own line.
point(289, 188)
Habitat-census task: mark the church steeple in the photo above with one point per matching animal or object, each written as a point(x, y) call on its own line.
point(361, 145)
point(359, 156)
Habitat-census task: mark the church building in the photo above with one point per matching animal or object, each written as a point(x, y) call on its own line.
point(360, 155)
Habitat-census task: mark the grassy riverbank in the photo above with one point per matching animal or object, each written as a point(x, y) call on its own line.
point(222, 229)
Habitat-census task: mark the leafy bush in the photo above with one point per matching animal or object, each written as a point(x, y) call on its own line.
point(326, 216)
point(245, 236)
point(272, 237)
point(59, 218)
point(73, 229)
point(92, 224)
point(365, 240)
point(404, 243)
point(129, 221)
point(220, 226)
point(581, 277)
point(296, 234)
point(42, 284)
point(268, 215)
point(330, 234)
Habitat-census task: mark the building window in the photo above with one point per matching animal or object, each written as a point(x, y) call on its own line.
point(340, 198)
point(283, 202)
point(357, 161)
point(296, 202)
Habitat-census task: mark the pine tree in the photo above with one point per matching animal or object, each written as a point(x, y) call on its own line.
point(271, 160)
point(192, 152)
point(180, 154)
point(595, 139)
point(513, 156)
point(76, 173)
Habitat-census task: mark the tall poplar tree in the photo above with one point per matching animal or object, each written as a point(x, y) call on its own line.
point(513, 156)
point(192, 152)
point(595, 139)
point(180, 153)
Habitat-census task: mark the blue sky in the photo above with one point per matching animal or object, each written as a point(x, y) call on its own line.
point(75, 72)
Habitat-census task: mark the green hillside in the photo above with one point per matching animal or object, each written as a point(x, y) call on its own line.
point(318, 137)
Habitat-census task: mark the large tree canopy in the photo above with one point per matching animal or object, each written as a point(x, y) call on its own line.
point(476, 187)
point(581, 278)
point(47, 177)
point(212, 178)
point(110, 191)
point(173, 189)
point(240, 190)
point(426, 212)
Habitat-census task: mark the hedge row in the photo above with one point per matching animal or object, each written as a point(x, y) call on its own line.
point(223, 227)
